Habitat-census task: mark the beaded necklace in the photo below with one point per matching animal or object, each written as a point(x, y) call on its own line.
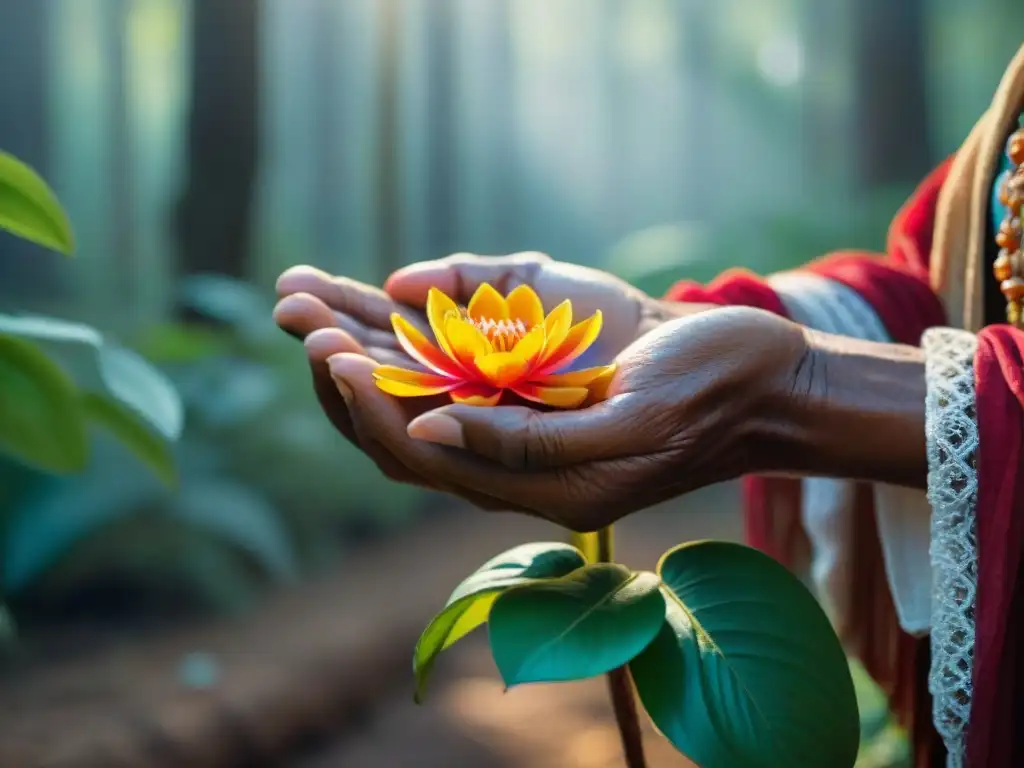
point(1009, 265)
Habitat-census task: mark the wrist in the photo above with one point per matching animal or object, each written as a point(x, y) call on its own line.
point(655, 312)
point(851, 409)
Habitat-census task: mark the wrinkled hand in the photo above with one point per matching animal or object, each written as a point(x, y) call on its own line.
point(338, 315)
point(691, 404)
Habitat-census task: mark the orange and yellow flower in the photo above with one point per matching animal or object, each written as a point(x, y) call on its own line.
point(493, 345)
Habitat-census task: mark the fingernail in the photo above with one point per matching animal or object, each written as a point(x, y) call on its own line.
point(344, 389)
point(437, 428)
point(336, 364)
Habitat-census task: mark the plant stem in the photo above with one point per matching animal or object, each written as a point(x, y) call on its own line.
point(620, 684)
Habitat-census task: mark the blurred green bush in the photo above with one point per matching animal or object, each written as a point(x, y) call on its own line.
point(256, 491)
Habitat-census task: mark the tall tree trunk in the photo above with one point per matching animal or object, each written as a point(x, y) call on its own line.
point(122, 158)
point(891, 138)
point(697, 65)
point(215, 212)
point(822, 123)
point(442, 171)
point(327, 124)
point(505, 105)
point(615, 111)
point(389, 187)
point(24, 132)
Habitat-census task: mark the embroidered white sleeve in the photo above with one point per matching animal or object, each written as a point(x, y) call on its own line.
point(903, 514)
point(952, 438)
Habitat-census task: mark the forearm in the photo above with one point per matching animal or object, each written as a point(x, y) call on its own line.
point(856, 410)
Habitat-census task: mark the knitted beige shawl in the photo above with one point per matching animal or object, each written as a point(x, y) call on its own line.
point(958, 268)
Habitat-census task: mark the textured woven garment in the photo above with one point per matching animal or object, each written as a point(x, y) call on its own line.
point(952, 438)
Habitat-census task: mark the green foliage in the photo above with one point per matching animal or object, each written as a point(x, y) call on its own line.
point(50, 526)
point(29, 209)
point(732, 657)
point(470, 603)
point(581, 625)
point(883, 744)
point(45, 412)
point(125, 425)
point(746, 670)
point(124, 374)
point(42, 413)
point(41, 420)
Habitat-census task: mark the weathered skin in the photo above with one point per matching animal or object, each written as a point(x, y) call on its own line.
point(702, 395)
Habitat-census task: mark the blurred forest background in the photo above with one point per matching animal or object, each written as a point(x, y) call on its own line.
point(202, 147)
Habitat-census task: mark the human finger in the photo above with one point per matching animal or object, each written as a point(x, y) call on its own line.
point(523, 438)
point(460, 274)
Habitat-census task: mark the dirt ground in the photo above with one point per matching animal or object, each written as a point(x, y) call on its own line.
point(468, 722)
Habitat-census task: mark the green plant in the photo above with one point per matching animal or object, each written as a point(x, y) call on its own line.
point(47, 414)
point(44, 413)
point(731, 656)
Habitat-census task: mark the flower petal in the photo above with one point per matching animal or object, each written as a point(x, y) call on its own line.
point(581, 378)
point(556, 397)
point(503, 368)
point(402, 383)
point(466, 340)
point(439, 309)
point(556, 326)
point(476, 394)
point(576, 342)
point(531, 345)
point(524, 305)
point(600, 385)
point(487, 304)
point(419, 348)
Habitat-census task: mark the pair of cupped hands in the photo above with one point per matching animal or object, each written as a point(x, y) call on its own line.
point(693, 387)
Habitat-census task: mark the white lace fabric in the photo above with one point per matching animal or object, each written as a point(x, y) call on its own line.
point(929, 543)
point(952, 440)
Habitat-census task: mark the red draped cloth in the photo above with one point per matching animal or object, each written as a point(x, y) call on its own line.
point(897, 287)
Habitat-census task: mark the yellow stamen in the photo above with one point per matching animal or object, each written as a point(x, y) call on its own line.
point(503, 334)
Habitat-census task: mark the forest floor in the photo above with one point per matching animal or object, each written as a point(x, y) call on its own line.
point(319, 676)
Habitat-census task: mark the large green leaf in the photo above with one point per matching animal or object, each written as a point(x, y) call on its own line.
point(125, 374)
point(41, 422)
point(587, 623)
point(128, 427)
point(29, 209)
point(470, 603)
point(142, 387)
point(746, 671)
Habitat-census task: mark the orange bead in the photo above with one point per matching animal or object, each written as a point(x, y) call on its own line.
point(1003, 267)
point(1009, 234)
point(1015, 148)
point(1004, 193)
point(1012, 289)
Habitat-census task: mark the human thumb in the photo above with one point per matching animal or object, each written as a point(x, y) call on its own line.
point(522, 438)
